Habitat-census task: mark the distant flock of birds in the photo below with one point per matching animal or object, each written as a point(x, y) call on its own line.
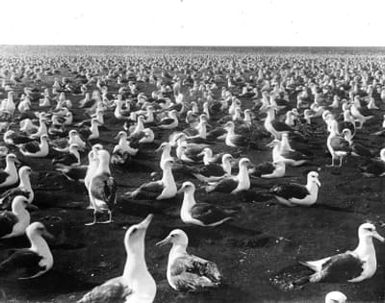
point(194, 110)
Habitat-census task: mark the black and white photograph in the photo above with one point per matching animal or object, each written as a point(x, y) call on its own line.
point(192, 151)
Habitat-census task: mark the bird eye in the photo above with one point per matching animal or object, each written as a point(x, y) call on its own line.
point(134, 230)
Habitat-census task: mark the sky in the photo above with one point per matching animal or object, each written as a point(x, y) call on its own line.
point(194, 22)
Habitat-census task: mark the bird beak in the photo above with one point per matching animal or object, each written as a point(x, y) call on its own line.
point(31, 206)
point(117, 137)
point(158, 149)
point(181, 190)
point(271, 144)
point(17, 161)
point(48, 235)
point(146, 222)
point(378, 236)
point(201, 154)
point(318, 182)
point(163, 242)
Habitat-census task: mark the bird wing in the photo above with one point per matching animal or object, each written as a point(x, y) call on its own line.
point(212, 169)
point(32, 147)
point(264, 168)
point(339, 144)
point(193, 273)
point(208, 213)
point(3, 176)
point(112, 291)
point(103, 187)
point(7, 221)
point(290, 190)
point(22, 263)
point(226, 185)
point(341, 267)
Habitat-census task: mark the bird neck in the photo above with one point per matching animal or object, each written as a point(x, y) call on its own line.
point(25, 181)
point(312, 187)
point(135, 265)
point(38, 244)
point(94, 129)
point(103, 167)
point(188, 200)
point(168, 177)
point(176, 251)
point(202, 131)
point(123, 142)
point(20, 212)
point(243, 177)
point(226, 165)
point(10, 167)
point(365, 247)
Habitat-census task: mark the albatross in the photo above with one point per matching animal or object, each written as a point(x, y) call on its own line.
point(292, 194)
point(13, 223)
point(102, 187)
point(159, 190)
point(186, 272)
point(352, 266)
point(29, 263)
point(233, 184)
point(135, 285)
point(202, 214)
point(8, 176)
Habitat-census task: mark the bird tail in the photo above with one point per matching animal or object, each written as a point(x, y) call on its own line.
point(291, 277)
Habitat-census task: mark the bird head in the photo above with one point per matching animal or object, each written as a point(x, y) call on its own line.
point(313, 177)
point(368, 230)
point(38, 229)
point(176, 237)
point(187, 187)
point(134, 238)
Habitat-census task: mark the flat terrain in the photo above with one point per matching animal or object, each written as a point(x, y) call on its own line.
point(265, 237)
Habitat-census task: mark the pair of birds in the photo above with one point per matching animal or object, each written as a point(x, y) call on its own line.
point(185, 272)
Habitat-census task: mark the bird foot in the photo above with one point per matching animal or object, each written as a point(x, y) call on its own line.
point(90, 224)
point(106, 222)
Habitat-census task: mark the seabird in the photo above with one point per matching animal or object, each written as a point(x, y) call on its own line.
point(374, 167)
point(202, 214)
point(269, 170)
point(23, 189)
point(338, 147)
point(171, 122)
point(102, 187)
point(293, 194)
point(12, 138)
point(186, 272)
point(351, 266)
point(35, 149)
point(233, 184)
point(158, 190)
point(135, 285)
point(213, 171)
point(29, 263)
point(13, 223)
point(292, 158)
point(9, 176)
point(72, 158)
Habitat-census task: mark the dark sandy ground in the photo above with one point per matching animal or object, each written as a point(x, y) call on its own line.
point(265, 238)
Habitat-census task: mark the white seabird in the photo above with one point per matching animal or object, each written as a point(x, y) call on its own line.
point(187, 272)
point(135, 285)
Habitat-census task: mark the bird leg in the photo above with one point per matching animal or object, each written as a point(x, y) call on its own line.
point(341, 160)
point(94, 221)
point(109, 218)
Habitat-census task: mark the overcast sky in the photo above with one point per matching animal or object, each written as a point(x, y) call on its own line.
point(194, 22)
